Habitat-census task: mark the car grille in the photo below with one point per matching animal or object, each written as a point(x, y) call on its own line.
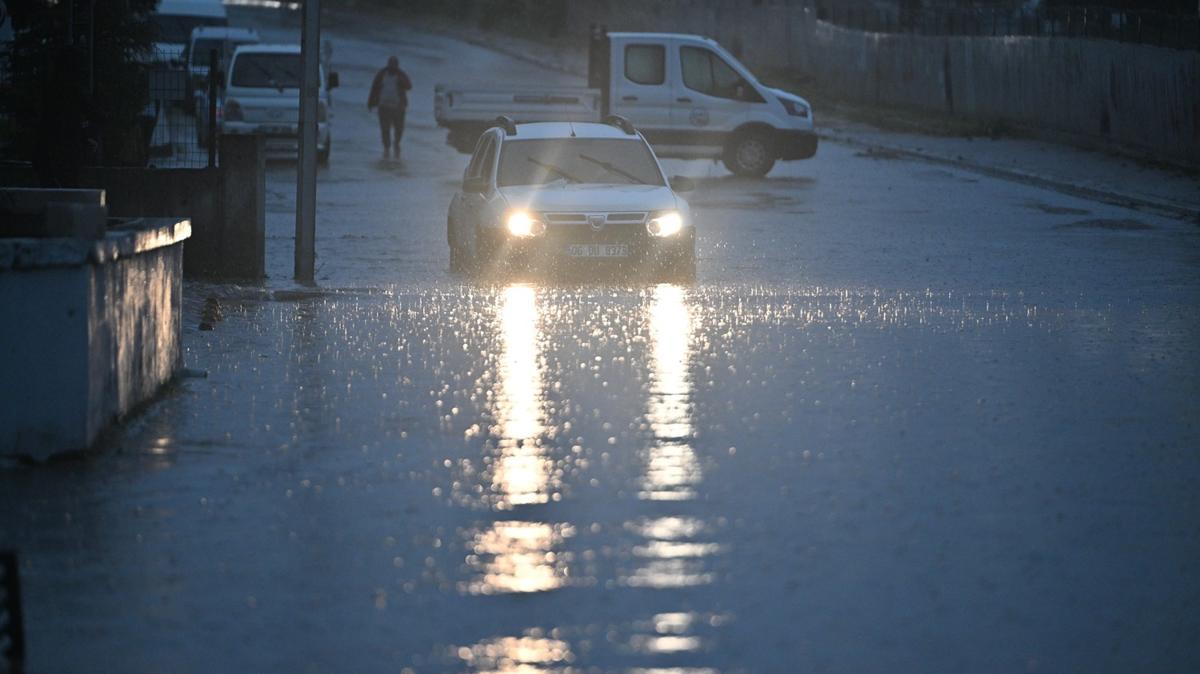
point(579, 227)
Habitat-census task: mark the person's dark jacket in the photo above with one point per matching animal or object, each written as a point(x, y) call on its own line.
point(404, 83)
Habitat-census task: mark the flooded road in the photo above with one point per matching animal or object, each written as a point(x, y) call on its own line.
point(906, 419)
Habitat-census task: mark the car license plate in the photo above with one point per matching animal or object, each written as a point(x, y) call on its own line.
point(598, 250)
point(279, 129)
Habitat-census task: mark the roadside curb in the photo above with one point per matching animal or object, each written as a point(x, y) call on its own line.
point(1164, 208)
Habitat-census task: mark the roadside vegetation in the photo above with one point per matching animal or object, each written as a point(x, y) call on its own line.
point(78, 85)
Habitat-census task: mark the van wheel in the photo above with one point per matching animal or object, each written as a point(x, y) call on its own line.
point(749, 155)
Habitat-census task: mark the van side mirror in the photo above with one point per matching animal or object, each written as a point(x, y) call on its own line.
point(475, 185)
point(682, 184)
point(333, 81)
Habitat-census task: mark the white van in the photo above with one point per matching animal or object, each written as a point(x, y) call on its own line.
point(174, 21)
point(204, 41)
point(690, 98)
point(262, 95)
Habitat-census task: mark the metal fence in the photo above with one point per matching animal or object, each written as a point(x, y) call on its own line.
point(12, 629)
point(1101, 23)
point(178, 129)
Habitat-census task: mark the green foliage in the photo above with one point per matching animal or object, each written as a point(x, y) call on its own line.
point(58, 78)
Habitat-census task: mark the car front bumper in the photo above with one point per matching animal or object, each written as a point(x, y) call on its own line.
point(281, 139)
point(553, 250)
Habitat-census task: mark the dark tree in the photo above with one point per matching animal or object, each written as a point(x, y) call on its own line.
point(78, 83)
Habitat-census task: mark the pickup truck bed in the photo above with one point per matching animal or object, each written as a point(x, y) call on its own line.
point(467, 112)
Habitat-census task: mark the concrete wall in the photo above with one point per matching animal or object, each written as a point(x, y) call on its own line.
point(93, 330)
point(1133, 96)
point(226, 205)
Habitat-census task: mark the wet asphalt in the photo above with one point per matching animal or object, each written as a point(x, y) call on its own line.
point(905, 419)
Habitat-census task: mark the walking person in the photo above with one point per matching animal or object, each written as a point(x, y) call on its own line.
point(389, 92)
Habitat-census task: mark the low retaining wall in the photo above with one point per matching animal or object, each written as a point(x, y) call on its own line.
point(226, 205)
point(93, 330)
point(1133, 96)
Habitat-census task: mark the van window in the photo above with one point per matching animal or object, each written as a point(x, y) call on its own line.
point(707, 73)
point(278, 71)
point(645, 63)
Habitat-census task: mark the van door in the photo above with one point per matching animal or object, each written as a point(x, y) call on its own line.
point(641, 83)
point(711, 97)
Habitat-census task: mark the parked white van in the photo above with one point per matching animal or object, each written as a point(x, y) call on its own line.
point(174, 21)
point(262, 95)
point(204, 41)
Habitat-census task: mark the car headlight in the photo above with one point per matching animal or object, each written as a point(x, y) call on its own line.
point(233, 111)
point(667, 223)
point(523, 224)
point(794, 108)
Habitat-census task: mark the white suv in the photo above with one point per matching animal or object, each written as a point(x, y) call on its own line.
point(569, 195)
point(262, 95)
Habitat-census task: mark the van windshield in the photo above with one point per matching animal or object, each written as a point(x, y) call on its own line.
point(277, 71)
point(577, 160)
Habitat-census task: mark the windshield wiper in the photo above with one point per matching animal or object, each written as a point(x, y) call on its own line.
point(552, 167)
point(613, 169)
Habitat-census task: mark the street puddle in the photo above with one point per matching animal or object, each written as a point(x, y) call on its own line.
point(515, 557)
point(672, 467)
point(531, 653)
point(671, 554)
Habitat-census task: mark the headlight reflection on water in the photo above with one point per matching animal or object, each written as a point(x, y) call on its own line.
point(671, 549)
point(522, 473)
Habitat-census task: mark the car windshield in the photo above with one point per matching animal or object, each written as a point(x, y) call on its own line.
point(577, 160)
point(279, 71)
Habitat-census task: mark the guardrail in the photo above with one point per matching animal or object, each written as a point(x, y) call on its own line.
point(1100, 23)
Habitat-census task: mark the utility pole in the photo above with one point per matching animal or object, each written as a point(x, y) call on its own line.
point(306, 175)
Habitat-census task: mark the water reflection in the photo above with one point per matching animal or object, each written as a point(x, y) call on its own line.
point(671, 635)
point(522, 473)
point(671, 557)
point(518, 557)
point(530, 653)
point(672, 466)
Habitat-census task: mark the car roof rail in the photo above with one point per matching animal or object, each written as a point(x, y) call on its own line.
point(621, 123)
point(505, 122)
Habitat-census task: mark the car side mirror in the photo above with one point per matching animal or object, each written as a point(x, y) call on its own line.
point(333, 81)
point(475, 185)
point(682, 184)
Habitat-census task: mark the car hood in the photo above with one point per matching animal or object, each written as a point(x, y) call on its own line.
point(590, 198)
point(792, 97)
